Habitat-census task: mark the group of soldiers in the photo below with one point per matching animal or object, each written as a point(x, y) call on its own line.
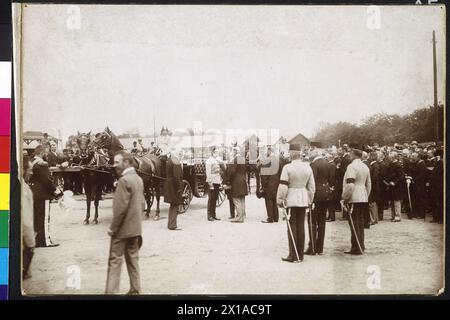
point(404, 178)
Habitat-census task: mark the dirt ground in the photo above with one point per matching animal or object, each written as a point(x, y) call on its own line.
point(225, 258)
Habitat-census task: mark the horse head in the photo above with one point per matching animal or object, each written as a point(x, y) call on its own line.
point(107, 140)
point(83, 141)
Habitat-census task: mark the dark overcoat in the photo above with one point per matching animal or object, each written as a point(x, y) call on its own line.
point(320, 168)
point(377, 183)
point(396, 174)
point(173, 182)
point(332, 179)
point(42, 185)
point(237, 177)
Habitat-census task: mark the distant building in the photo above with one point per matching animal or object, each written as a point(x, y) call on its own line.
point(31, 139)
point(299, 139)
point(282, 145)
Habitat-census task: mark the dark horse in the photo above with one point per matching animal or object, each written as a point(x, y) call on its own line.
point(147, 166)
point(93, 173)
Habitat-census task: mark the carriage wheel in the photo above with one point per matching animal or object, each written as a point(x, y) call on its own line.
point(186, 197)
point(221, 197)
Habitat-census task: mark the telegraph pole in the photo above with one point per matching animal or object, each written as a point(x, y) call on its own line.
point(154, 127)
point(436, 114)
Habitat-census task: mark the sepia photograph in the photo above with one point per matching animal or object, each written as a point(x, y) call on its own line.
point(231, 149)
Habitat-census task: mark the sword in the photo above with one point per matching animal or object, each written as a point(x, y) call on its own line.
point(353, 227)
point(290, 231)
point(408, 183)
point(311, 238)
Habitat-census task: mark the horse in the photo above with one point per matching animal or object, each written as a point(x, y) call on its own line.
point(92, 179)
point(147, 166)
point(253, 168)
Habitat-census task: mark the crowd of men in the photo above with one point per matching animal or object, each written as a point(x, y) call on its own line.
point(312, 183)
point(403, 178)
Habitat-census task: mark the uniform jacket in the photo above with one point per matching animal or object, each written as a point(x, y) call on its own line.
point(297, 185)
point(213, 171)
point(270, 182)
point(42, 185)
point(128, 205)
point(360, 174)
point(236, 174)
point(173, 182)
point(320, 168)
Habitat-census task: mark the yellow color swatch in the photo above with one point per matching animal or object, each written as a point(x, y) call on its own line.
point(4, 191)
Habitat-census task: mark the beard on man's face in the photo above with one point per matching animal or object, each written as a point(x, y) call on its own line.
point(119, 169)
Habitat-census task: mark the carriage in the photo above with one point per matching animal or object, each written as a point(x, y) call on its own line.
point(194, 181)
point(194, 185)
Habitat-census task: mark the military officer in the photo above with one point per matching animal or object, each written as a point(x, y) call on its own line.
point(296, 192)
point(43, 191)
point(356, 190)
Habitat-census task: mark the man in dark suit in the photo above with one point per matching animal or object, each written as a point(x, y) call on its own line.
point(237, 171)
point(43, 191)
point(437, 187)
point(346, 158)
point(375, 195)
point(382, 199)
point(173, 187)
point(52, 156)
point(126, 226)
point(345, 161)
point(270, 179)
point(395, 179)
point(317, 222)
point(418, 171)
point(332, 181)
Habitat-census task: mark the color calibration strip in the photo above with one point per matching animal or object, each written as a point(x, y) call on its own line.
point(5, 143)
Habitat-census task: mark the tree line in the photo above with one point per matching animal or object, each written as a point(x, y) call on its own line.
point(385, 129)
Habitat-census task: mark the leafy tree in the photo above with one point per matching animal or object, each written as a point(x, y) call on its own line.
point(385, 129)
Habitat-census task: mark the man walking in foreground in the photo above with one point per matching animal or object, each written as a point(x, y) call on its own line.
point(126, 226)
point(356, 191)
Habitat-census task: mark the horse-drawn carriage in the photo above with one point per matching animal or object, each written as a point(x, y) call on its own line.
point(96, 168)
point(194, 185)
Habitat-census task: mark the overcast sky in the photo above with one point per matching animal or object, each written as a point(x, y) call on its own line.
point(230, 67)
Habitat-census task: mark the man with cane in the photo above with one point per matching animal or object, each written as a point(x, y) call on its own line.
point(295, 193)
point(355, 194)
